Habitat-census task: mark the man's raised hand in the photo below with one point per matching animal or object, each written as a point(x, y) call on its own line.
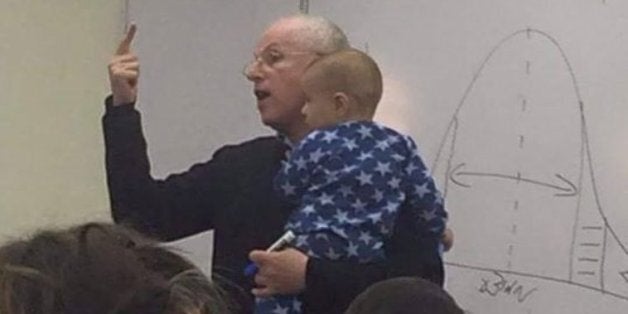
point(124, 71)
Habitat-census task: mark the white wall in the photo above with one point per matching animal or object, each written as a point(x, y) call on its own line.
point(53, 77)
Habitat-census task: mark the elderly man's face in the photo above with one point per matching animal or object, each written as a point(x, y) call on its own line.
point(280, 60)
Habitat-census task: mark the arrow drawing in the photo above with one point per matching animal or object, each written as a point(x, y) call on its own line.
point(567, 190)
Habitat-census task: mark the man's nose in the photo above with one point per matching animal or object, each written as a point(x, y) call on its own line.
point(253, 71)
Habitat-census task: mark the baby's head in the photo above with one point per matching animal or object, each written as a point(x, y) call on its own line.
point(339, 87)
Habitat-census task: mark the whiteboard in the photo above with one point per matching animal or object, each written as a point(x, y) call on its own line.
point(192, 93)
point(197, 249)
point(518, 106)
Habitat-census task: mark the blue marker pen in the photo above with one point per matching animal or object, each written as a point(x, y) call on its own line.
point(285, 239)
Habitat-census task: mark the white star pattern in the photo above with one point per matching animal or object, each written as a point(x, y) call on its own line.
point(365, 131)
point(391, 207)
point(316, 155)
point(422, 189)
point(321, 223)
point(394, 139)
point(339, 231)
point(311, 253)
point(365, 178)
point(326, 199)
point(378, 195)
point(309, 209)
point(378, 245)
point(428, 215)
point(358, 205)
point(411, 168)
point(301, 241)
point(332, 255)
point(342, 216)
point(383, 229)
point(439, 198)
point(296, 306)
point(331, 176)
point(383, 145)
point(288, 152)
point(293, 225)
point(376, 217)
point(398, 157)
point(437, 230)
point(300, 162)
point(286, 166)
point(365, 156)
point(330, 136)
point(350, 144)
point(280, 310)
point(288, 189)
point(365, 237)
point(352, 250)
point(383, 168)
point(426, 173)
point(394, 183)
point(348, 169)
point(345, 190)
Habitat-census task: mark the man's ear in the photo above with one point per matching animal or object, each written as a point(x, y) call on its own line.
point(342, 105)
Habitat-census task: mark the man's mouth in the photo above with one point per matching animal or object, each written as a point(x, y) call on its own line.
point(261, 95)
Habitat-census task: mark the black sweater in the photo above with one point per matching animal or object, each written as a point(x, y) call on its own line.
point(233, 194)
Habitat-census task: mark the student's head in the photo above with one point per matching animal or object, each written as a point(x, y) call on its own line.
point(101, 268)
point(404, 295)
point(285, 49)
point(343, 86)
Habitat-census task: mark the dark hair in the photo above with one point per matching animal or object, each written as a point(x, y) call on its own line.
point(101, 268)
point(404, 295)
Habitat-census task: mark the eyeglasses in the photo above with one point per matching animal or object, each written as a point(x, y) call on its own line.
point(271, 58)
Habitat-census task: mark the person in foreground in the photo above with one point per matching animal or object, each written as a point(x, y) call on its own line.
point(232, 193)
point(349, 178)
point(404, 295)
point(101, 268)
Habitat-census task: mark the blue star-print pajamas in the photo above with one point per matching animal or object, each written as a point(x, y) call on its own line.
point(349, 182)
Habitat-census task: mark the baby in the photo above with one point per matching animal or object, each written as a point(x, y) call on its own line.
point(351, 177)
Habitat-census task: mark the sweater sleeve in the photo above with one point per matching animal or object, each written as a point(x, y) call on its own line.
point(180, 205)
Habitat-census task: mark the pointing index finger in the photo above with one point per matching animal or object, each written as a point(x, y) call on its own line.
point(125, 44)
point(257, 256)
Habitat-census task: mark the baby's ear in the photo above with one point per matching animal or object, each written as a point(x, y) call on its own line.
point(342, 104)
